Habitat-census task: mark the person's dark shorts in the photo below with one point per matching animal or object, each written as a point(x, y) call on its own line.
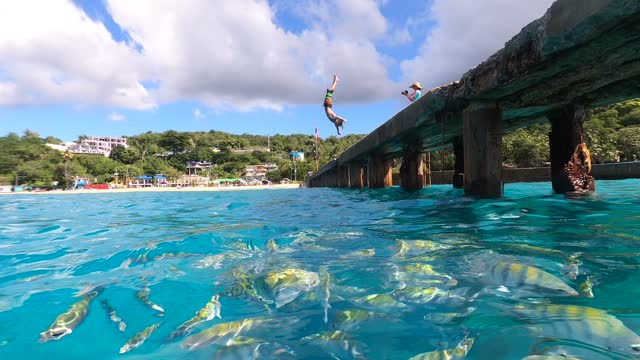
point(328, 101)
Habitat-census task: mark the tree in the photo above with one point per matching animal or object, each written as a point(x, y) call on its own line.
point(175, 142)
point(118, 153)
point(629, 143)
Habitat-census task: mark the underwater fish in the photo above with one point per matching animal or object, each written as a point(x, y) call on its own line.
point(285, 286)
point(461, 350)
point(418, 295)
point(218, 332)
point(143, 296)
point(66, 322)
point(571, 267)
point(210, 311)
point(417, 247)
point(241, 348)
point(139, 338)
point(382, 302)
point(513, 274)
point(426, 271)
point(445, 318)
point(122, 326)
point(583, 324)
point(586, 288)
point(338, 343)
point(272, 246)
point(217, 261)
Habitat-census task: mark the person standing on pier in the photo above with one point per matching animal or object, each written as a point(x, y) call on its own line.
point(328, 106)
point(417, 92)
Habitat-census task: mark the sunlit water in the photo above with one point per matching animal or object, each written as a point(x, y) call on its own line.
point(55, 247)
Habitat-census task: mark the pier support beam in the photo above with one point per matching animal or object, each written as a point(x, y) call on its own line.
point(343, 176)
point(379, 172)
point(458, 167)
point(412, 168)
point(482, 131)
point(356, 178)
point(570, 164)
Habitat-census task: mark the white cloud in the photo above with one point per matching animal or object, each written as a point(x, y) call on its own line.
point(467, 33)
point(233, 54)
point(117, 117)
point(198, 114)
point(52, 52)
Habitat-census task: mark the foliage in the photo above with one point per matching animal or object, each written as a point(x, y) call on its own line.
point(610, 132)
point(527, 147)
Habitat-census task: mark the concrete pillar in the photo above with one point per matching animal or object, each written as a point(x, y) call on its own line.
point(483, 150)
point(356, 179)
point(379, 172)
point(412, 168)
point(569, 168)
point(458, 167)
point(343, 176)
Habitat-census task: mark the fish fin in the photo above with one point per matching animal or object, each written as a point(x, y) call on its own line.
point(286, 296)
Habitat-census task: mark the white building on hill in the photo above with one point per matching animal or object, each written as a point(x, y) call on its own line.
point(92, 145)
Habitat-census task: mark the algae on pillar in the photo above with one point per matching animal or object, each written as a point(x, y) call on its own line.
point(482, 130)
point(570, 158)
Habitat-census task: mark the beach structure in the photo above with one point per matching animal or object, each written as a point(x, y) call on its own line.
point(258, 172)
point(198, 168)
point(579, 55)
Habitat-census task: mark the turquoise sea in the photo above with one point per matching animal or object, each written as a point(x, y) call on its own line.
point(323, 274)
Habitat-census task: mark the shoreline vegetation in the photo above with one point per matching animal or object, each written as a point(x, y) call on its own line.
point(612, 134)
point(157, 189)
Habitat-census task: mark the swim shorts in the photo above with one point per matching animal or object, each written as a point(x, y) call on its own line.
point(328, 99)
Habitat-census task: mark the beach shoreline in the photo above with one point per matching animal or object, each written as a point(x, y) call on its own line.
point(158, 189)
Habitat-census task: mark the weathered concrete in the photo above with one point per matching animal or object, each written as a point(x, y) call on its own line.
point(356, 175)
point(565, 136)
point(483, 150)
point(412, 167)
point(379, 172)
point(580, 51)
point(458, 167)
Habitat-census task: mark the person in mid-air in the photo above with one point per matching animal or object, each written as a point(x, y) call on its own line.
point(417, 92)
point(328, 106)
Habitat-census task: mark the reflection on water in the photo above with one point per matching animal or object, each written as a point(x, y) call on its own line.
point(322, 273)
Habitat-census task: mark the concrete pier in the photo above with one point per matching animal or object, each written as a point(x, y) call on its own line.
point(458, 167)
point(566, 135)
point(379, 172)
point(356, 175)
point(412, 168)
point(483, 150)
point(579, 52)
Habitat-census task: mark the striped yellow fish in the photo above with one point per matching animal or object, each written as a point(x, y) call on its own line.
point(583, 324)
point(209, 312)
point(66, 322)
point(513, 274)
point(139, 338)
point(219, 332)
point(450, 354)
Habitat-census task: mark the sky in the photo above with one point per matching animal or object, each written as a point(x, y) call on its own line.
point(122, 67)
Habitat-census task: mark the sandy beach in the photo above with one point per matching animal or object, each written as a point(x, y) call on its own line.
point(160, 189)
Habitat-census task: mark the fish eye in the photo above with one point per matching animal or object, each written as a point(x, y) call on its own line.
point(635, 347)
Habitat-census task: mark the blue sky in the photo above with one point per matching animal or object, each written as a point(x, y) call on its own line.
point(116, 67)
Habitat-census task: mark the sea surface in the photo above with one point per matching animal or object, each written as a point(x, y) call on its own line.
point(321, 274)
